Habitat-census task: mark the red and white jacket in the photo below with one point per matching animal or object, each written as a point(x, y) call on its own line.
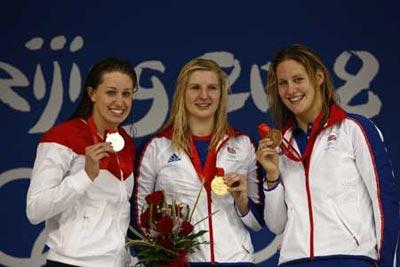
point(339, 199)
point(163, 167)
point(86, 221)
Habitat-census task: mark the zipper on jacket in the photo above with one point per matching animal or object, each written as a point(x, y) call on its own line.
point(121, 174)
point(122, 191)
point(310, 212)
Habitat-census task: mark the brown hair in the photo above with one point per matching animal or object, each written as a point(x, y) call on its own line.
point(312, 62)
point(95, 78)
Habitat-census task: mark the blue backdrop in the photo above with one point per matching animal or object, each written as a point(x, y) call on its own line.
point(47, 48)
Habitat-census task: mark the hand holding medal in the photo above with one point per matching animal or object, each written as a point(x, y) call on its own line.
point(218, 184)
point(97, 154)
point(267, 154)
point(94, 154)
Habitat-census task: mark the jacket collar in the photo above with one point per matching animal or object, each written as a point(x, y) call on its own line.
point(336, 115)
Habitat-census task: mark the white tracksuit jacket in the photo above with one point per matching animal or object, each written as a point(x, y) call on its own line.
point(163, 167)
point(341, 200)
point(86, 221)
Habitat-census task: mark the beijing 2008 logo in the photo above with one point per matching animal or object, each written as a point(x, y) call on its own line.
point(267, 244)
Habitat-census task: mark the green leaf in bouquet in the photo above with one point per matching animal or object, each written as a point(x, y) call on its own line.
point(195, 235)
point(212, 214)
point(196, 202)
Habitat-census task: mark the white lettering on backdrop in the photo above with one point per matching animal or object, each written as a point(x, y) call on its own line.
point(355, 83)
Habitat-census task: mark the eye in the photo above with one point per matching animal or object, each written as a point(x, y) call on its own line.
point(298, 79)
point(213, 87)
point(194, 87)
point(111, 93)
point(282, 83)
point(127, 94)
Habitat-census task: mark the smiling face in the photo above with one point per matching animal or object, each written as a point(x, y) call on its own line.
point(112, 100)
point(298, 92)
point(202, 96)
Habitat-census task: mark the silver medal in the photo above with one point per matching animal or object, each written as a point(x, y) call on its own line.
point(116, 140)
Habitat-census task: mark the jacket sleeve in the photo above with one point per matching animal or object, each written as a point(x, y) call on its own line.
point(52, 187)
point(146, 175)
point(373, 162)
point(253, 219)
point(275, 210)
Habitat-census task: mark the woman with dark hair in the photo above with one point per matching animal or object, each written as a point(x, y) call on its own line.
point(331, 191)
point(82, 178)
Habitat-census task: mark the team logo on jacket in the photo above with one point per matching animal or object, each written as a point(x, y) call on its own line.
point(232, 153)
point(231, 150)
point(174, 157)
point(331, 140)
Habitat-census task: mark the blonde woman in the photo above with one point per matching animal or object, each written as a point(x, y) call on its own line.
point(195, 141)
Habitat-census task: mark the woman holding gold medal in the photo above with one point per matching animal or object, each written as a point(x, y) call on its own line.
point(331, 192)
point(82, 178)
point(196, 146)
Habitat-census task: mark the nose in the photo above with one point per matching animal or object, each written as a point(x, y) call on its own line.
point(291, 87)
point(119, 99)
point(203, 93)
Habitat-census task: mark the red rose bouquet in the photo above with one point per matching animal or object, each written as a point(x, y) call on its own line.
point(167, 233)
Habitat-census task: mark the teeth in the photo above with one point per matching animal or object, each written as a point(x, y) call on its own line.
point(118, 111)
point(203, 105)
point(295, 98)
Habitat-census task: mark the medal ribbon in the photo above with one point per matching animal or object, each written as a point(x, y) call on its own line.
point(289, 150)
point(292, 153)
point(206, 175)
point(93, 130)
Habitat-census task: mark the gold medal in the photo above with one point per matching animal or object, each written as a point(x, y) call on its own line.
point(218, 185)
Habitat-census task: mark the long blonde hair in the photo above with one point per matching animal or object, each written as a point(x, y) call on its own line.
point(312, 62)
point(178, 119)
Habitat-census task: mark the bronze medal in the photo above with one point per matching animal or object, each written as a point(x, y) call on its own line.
point(276, 136)
point(273, 134)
